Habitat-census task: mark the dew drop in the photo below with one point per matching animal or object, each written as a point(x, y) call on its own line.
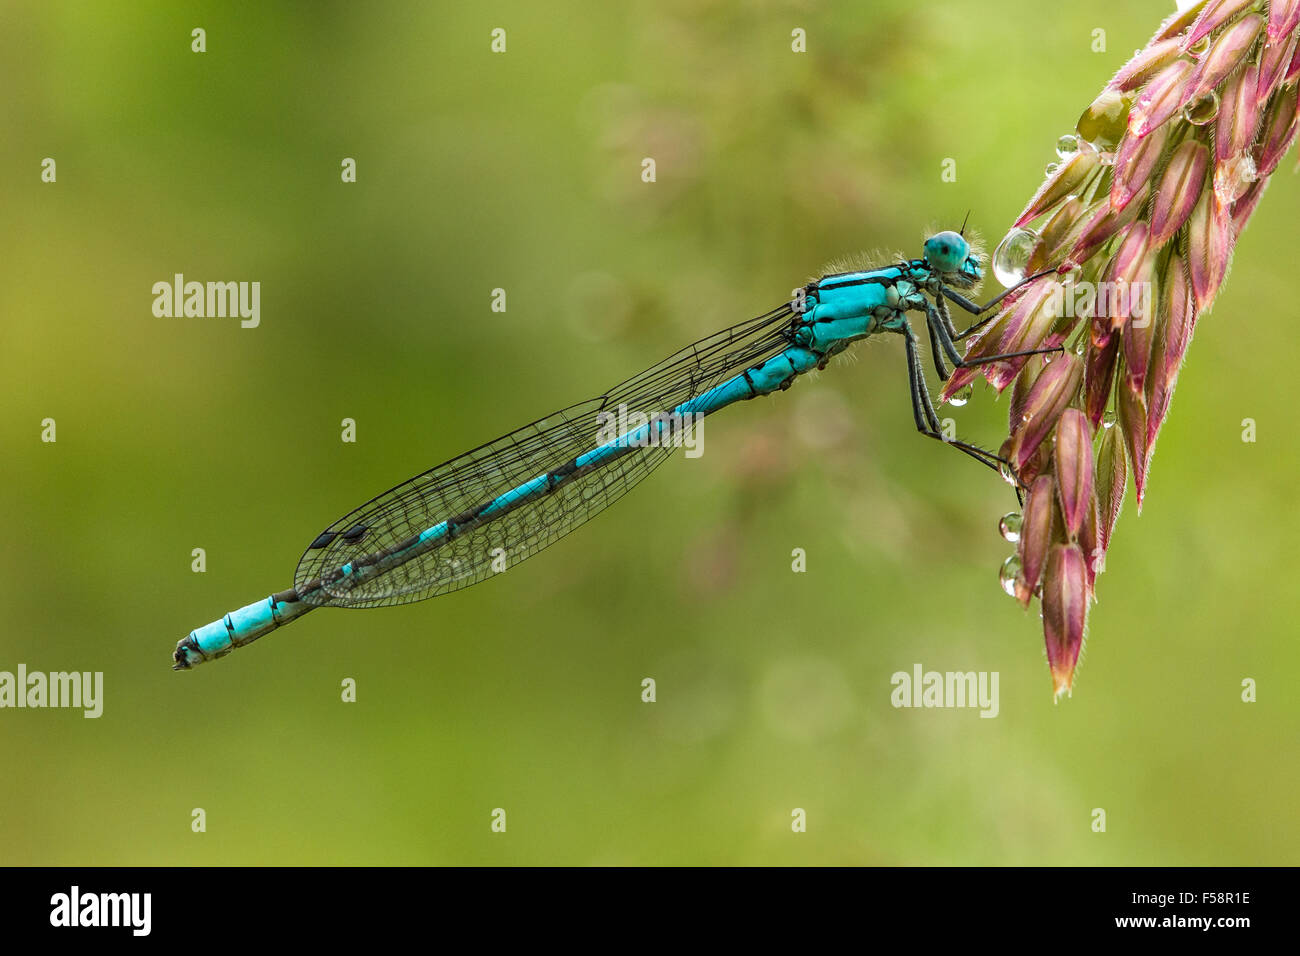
point(1198, 48)
point(1067, 146)
point(1103, 123)
point(1011, 258)
point(1009, 574)
point(1108, 419)
point(1202, 110)
point(961, 396)
point(1009, 526)
point(1051, 168)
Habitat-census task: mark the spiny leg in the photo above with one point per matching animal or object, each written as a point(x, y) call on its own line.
point(942, 304)
point(936, 353)
point(925, 415)
point(927, 420)
point(919, 391)
point(974, 308)
point(940, 331)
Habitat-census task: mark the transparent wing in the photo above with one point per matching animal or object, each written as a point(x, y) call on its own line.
point(464, 483)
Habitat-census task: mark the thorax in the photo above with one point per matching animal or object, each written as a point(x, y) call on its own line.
point(853, 305)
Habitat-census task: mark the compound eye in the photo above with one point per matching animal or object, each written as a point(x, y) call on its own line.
point(946, 252)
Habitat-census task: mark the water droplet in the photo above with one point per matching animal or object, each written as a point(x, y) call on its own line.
point(1067, 146)
point(1200, 46)
point(961, 396)
point(1082, 346)
point(1233, 178)
point(1011, 258)
point(1009, 526)
point(1009, 574)
point(1108, 419)
point(1106, 157)
point(1202, 110)
point(1103, 123)
point(1051, 168)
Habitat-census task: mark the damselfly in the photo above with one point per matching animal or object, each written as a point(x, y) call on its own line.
point(447, 528)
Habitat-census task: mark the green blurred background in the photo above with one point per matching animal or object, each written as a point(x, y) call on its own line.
point(522, 171)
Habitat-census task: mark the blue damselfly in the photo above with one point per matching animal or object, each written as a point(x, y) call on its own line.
point(444, 529)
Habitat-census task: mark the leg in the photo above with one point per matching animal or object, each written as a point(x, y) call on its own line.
point(939, 329)
point(927, 421)
point(936, 353)
point(942, 305)
point(974, 308)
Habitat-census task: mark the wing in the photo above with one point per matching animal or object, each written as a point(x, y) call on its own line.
point(483, 474)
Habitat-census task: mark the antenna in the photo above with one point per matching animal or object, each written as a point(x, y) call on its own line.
point(962, 232)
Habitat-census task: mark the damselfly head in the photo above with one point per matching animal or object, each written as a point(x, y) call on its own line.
point(949, 254)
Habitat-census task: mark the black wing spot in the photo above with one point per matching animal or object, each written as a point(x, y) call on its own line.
point(355, 533)
point(323, 540)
